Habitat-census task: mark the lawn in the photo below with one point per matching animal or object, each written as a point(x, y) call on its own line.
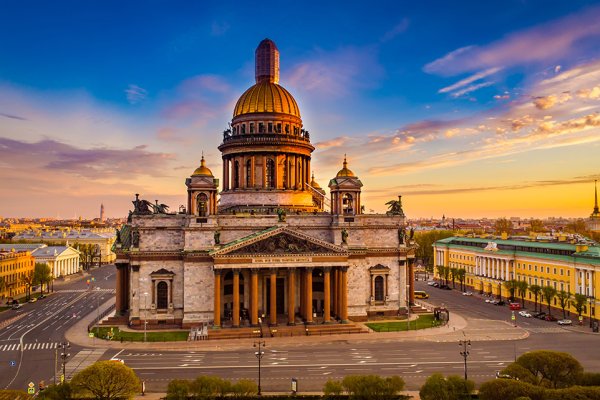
point(166, 336)
point(424, 321)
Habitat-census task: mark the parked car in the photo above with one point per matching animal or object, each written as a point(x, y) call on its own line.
point(539, 315)
point(33, 300)
point(467, 293)
point(488, 300)
point(525, 314)
point(445, 287)
point(431, 283)
point(550, 318)
point(435, 284)
point(494, 302)
point(500, 303)
point(515, 306)
point(16, 306)
point(565, 322)
point(42, 296)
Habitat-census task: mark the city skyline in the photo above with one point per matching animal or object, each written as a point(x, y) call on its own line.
point(461, 114)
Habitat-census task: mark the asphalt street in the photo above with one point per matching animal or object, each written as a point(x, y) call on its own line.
point(30, 336)
point(313, 364)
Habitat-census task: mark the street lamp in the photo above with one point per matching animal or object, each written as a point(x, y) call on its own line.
point(145, 313)
point(64, 355)
point(466, 345)
point(259, 354)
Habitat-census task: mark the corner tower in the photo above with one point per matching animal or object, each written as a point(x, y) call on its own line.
point(266, 151)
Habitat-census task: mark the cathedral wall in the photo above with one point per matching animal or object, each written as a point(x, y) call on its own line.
point(200, 239)
point(274, 198)
point(161, 240)
point(199, 292)
point(144, 303)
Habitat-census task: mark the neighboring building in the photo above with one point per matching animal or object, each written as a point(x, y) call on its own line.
point(103, 238)
point(14, 267)
point(62, 260)
point(21, 246)
point(565, 263)
point(593, 223)
point(267, 246)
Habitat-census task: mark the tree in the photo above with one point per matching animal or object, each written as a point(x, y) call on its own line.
point(209, 386)
point(244, 388)
point(42, 274)
point(563, 299)
point(425, 240)
point(106, 380)
point(333, 388)
point(446, 275)
point(536, 225)
point(461, 273)
point(372, 386)
point(27, 280)
point(440, 272)
point(178, 389)
point(502, 225)
point(549, 293)
point(536, 290)
point(436, 387)
point(510, 286)
point(62, 391)
point(453, 273)
point(552, 369)
point(522, 290)
point(578, 303)
point(577, 226)
point(2, 286)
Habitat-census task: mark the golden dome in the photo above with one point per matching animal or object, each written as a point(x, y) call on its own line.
point(202, 170)
point(266, 97)
point(345, 172)
point(314, 183)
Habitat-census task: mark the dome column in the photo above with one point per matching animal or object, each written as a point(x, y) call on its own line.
point(264, 171)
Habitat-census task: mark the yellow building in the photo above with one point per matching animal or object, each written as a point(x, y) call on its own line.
point(550, 261)
point(14, 267)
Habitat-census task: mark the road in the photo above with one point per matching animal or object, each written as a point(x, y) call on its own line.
point(30, 336)
point(313, 364)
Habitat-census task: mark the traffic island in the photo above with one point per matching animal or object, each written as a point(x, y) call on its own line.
point(423, 321)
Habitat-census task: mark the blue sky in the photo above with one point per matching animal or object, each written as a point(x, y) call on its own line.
point(433, 100)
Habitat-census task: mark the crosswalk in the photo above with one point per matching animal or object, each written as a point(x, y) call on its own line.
point(29, 346)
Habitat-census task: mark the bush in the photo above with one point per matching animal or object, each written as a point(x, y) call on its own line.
point(589, 379)
point(106, 380)
point(244, 387)
point(552, 369)
point(333, 388)
point(178, 389)
point(209, 386)
point(519, 372)
point(62, 391)
point(372, 386)
point(508, 389)
point(436, 387)
point(573, 393)
point(13, 395)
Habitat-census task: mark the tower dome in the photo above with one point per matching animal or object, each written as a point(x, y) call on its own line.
point(202, 170)
point(344, 172)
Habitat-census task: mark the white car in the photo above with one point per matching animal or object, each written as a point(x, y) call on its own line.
point(430, 283)
point(565, 322)
point(467, 293)
point(524, 314)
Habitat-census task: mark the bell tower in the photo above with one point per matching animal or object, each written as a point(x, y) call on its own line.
point(345, 192)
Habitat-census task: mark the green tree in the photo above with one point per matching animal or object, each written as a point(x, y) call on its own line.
point(440, 272)
point(425, 240)
point(577, 226)
point(453, 275)
point(106, 380)
point(563, 299)
point(42, 274)
point(446, 275)
point(210, 386)
point(502, 225)
point(244, 388)
point(522, 290)
point(549, 293)
point(461, 273)
point(27, 280)
point(510, 286)
point(436, 387)
point(578, 303)
point(2, 286)
point(333, 388)
point(372, 386)
point(536, 290)
point(537, 225)
point(518, 372)
point(178, 389)
point(62, 391)
point(552, 369)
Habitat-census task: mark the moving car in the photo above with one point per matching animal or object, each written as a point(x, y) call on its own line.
point(16, 306)
point(565, 322)
point(539, 315)
point(551, 318)
point(467, 293)
point(525, 314)
point(421, 294)
point(515, 306)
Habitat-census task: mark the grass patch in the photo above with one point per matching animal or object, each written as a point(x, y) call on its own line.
point(118, 335)
point(2, 308)
point(423, 322)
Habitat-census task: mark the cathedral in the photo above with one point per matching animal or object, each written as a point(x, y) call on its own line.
point(266, 244)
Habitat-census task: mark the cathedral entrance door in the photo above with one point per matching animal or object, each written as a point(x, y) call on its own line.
point(280, 300)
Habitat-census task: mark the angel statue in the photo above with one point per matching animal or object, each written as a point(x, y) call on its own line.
point(395, 207)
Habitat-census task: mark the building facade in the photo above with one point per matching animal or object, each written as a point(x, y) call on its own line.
point(62, 260)
point(560, 262)
point(16, 270)
point(269, 246)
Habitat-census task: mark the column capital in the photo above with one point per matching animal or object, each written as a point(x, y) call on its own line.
point(309, 269)
point(326, 269)
point(254, 270)
point(236, 270)
point(344, 269)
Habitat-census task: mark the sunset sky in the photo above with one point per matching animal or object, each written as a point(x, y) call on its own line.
point(470, 109)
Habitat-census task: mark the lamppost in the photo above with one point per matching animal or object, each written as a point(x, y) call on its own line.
point(64, 355)
point(466, 345)
point(145, 313)
point(259, 354)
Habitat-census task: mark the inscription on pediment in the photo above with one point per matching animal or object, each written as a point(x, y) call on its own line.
point(282, 244)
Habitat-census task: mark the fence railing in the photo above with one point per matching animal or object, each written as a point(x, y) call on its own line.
point(101, 316)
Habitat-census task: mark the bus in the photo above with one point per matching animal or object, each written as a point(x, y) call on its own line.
point(421, 294)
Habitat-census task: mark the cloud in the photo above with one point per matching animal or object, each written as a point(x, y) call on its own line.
point(547, 102)
point(464, 82)
point(336, 73)
point(93, 163)
point(335, 142)
point(504, 96)
point(135, 94)
point(398, 29)
point(593, 93)
point(544, 43)
point(471, 88)
point(12, 116)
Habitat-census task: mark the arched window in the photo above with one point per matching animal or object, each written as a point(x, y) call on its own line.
point(347, 206)
point(243, 128)
point(236, 175)
point(202, 204)
point(379, 288)
point(270, 173)
point(248, 173)
point(162, 295)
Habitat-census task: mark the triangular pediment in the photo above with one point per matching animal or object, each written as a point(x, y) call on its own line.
point(281, 242)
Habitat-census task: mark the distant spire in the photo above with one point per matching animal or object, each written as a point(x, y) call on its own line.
point(596, 211)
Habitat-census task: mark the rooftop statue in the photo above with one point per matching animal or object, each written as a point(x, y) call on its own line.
point(395, 207)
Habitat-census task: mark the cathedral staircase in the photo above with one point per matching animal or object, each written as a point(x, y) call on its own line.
point(418, 309)
point(115, 320)
point(285, 331)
